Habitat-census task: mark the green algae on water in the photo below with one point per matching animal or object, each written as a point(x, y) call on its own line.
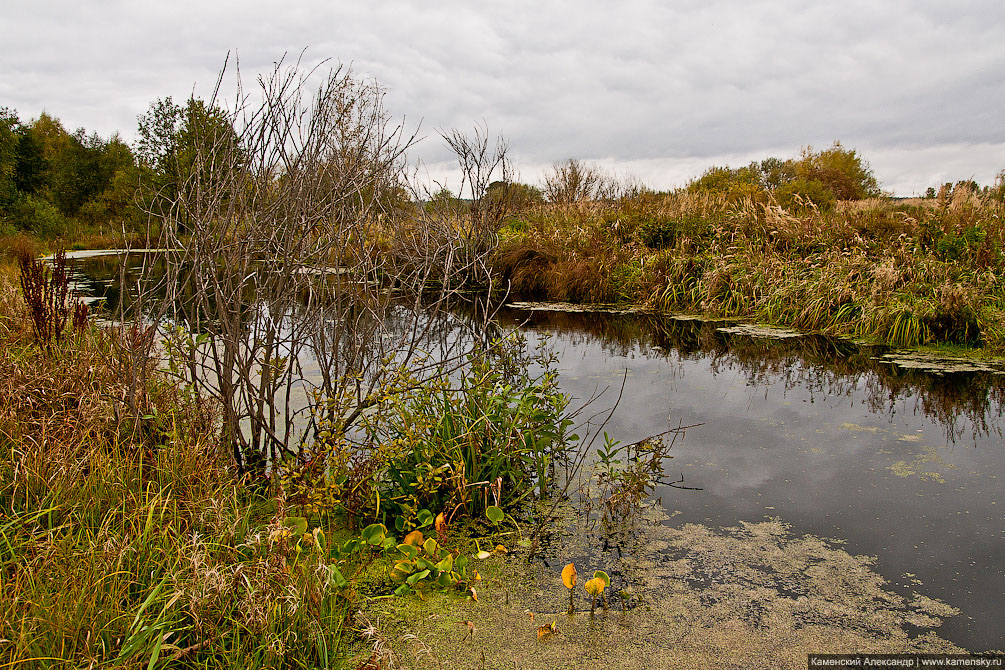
point(754, 596)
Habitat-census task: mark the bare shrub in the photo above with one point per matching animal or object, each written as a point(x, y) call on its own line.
point(296, 292)
point(451, 238)
point(479, 166)
point(574, 181)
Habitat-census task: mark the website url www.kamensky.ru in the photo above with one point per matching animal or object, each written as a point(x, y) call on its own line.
point(905, 661)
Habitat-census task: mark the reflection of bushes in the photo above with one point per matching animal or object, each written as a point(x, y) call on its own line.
point(834, 367)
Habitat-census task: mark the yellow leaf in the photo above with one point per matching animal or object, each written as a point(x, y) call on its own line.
point(500, 549)
point(441, 524)
point(569, 576)
point(546, 629)
point(595, 586)
point(414, 538)
point(474, 594)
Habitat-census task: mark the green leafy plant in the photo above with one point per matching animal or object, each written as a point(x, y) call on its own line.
point(494, 514)
point(427, 566)
point(440, 445)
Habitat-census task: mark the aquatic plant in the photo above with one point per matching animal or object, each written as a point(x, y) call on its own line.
point(595, 588)
point(429, 566)
point(625, 474)
point(569, 580)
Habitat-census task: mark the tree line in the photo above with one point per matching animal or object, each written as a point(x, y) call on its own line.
point(56, 183)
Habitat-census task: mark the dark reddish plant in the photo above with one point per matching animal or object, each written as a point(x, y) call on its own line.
point(46, 294)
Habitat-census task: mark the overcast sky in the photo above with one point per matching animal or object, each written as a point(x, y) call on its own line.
point(658, 90)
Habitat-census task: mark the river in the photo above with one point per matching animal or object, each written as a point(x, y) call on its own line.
point(835, 439)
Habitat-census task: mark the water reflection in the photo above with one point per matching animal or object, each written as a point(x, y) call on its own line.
point(967, 404)
point(899, 464)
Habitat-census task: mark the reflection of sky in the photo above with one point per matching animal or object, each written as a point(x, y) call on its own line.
point(829, 465)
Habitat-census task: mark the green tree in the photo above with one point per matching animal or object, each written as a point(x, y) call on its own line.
point(78, 176)
point(800, 195)
point(178, 144)
point(48, 175)
point(8, 155)
point(776, 171)
point(841, 170)
point(444, 200)
point(68, 162)
point(514, 196)
point(156, 145)
point(113, 197)
point(31, 172)
point(55, 142)
point(735, 184)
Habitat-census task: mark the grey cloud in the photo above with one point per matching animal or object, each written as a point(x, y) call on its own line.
point(645, 82)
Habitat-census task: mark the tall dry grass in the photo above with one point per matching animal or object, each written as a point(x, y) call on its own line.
point(906, 273)
point(129, 541)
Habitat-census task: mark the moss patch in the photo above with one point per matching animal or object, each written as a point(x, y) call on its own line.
point(751, 596)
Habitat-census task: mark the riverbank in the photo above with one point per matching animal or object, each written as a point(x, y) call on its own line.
point(904, 273)
point(129, 538)
point(164, 501)
point(915, 272)
point(127, 548)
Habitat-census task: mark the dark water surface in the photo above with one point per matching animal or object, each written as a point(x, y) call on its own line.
point(900, 464)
